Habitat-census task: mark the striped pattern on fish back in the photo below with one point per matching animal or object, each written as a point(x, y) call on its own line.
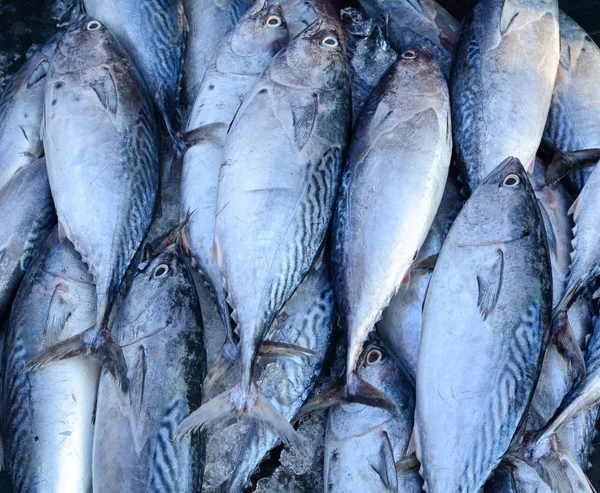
point(309, 226)
point(560, 129)
point(165, 473)
point(507, 401)
point(237, 8)
point(40, 229)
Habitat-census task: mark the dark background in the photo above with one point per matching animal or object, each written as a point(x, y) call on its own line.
point(27, 22)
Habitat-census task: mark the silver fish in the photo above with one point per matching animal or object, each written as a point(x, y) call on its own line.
point(208, 22)
point(393, 183)
point(502, 79)
point(21, 107)
point(160, 329)
point(369, 54)
point(48, 414)
point(484, 333)
point(400, 325)
point(102, 155)
point(363, 443)
point(574, 119)
point(152, 33)
point(234, 451)
point(240, 59)
point(423, 23)
point(277, 185)
point(26, 218)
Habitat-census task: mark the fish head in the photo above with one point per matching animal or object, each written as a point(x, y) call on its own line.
point(499, 210)
point(257, 38)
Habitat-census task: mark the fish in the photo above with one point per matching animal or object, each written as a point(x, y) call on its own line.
point(233, 452)
point(238, 63)
point(573, 121)
point(152, 33)
point(21, 107)
point(160, 330)
point(369, 54)
point(501, 85)
point(209, 21)
point(400, 325)
point(364, 443)
point(485, 329)
point(393, 183)
point(26, 219)
point(418, 23)
point(47, 417)
point(277, 185)
point(101, 146)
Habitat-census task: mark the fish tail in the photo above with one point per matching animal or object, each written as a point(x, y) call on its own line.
point(564, 341)
point(237, 402)
point(100, 345)
point(227, 361)
point(353, 390)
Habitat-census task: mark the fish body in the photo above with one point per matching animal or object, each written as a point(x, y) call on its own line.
point(363, 443)
point(160, 329)
point(240, 59)
point(396, 169)
point(26, 218)
point(502, 80)
point(48, 414)
point(574, 119)
point(21, 107)
point(485, 329)
point(417, 23)
point(306, 320)
point(400, 325)
point(152, 33)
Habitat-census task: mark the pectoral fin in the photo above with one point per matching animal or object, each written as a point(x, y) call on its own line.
point(489, 284)
point(106, 90)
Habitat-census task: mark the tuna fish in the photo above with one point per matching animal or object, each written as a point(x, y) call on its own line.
point(26, 218)
point(485, 329)
point(102, 156)
point(48, 414)
point(277, 185)
point(160, 330)
point(502, 79)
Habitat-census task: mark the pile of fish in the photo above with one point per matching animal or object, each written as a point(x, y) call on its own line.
point(279, 246)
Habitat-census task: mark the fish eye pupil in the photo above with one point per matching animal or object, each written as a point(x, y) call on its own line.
point(409, 55)
point(274, 21)
point(329, 41)
point(374, 356)
point(160, 271)
point(511, 181)
point(93, 25)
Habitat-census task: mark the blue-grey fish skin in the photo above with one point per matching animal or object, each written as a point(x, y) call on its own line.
point(501, 85)
point(101, 146)
point(236, 450)
point(574, 118)
point(152, 33)
point(160, 329)
point(26, 218)
point(47, 415)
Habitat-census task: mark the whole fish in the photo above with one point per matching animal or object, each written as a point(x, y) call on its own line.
point(160, 329)
point(369, 54)
point(277, 185)
point(502, 79)
point(240, 59)
point(21, 107)
point(484, 332)
point(152, 33)
point(393, 183)
point(208, 23)
point(423, 23)
point(102, 155)
point(574, 119)
point(363, 443)
point(26, 218)
point(235, 451)
point(48, 414)
point(400, 325)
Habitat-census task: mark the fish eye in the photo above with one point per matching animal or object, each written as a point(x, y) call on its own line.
point(511, 180)
point(329, 42)
point(93, 26)
point(273, 21)
point(160, 271)
point(374, 356)
point(409, 55)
